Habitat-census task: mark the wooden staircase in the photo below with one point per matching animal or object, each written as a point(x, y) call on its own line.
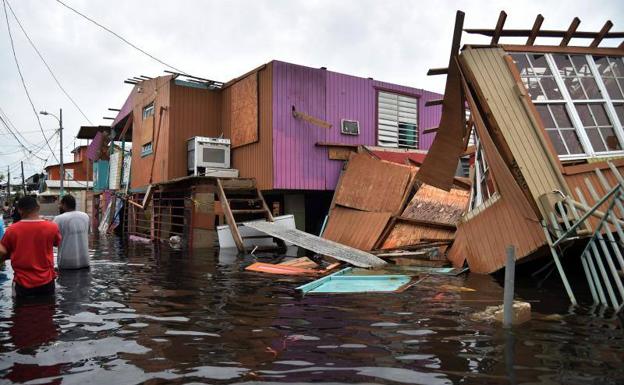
point(241, 202)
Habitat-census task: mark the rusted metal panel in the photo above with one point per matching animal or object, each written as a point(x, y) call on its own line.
point(355, 228)
point(436, 205)
point(318, 245)
point(192, 112)
point(373, 185)
point(154, 90)
point(254, 160)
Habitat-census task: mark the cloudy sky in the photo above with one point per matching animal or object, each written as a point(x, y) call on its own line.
point(390, 40)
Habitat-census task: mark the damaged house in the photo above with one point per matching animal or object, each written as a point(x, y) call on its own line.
point(548, 122)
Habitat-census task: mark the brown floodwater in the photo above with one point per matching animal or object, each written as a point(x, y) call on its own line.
point(148, 314)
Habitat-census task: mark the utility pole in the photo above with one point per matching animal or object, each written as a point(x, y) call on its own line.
point(8, 183)
point(23, 181)
point(62, 168)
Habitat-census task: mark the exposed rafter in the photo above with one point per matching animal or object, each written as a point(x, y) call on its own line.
point(499, 27)
point(537, 24)
point(603, 31)
point(570, 32)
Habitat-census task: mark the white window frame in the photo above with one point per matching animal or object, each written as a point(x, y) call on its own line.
point(385, 136)
point(69, 173)
point(570, 107)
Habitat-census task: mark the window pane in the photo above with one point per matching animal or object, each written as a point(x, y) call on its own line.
point(523, 64)
point(539, 64)
point(581, 66)
point(617, 64)
point(564, 65)
point(534, 89)
point(608, 134)
point(604, 68)
point(557, 142)
point(619, 109)
point(550, 88)
point(600, 114)
point(591, 88)
point(542, 109)
point(595, 139)
point(585, 115)
point(612, 88)
point(574, 88)
point(561, 116)
point(573, 142)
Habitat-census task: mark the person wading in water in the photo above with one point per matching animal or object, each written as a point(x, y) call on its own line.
point(74, 226)
point(29, 244)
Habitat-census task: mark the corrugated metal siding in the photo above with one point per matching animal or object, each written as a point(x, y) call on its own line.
point(496, 83)
point(329, 96)
point(156, 90)
point(192, 112)
point(256, 160)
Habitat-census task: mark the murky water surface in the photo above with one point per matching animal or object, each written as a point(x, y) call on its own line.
point(142, 315)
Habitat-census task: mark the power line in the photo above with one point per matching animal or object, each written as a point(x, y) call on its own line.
point(58, 83)
point(19, 70)
point(16, 138)
point(120, 37)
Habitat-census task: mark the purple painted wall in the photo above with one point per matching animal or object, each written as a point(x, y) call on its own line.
point(330, 96)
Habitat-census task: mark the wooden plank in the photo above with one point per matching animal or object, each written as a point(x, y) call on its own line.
point(589, 167)
point(426, 223)
point(431, 130)
point(437, 71)
point(603, 31)
point(570, 32)
point(499, 27)
point(543, 33)
point(355, 228)
point(230, 218)
point(318, 245)
point(537, 24)
point(572, 50)
point(244, 111)
point(434, 102)
point(310, 119)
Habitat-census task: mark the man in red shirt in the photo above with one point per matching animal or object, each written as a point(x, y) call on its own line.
point(29, 244)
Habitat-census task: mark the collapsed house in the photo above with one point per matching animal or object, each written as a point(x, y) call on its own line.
point(548, 122)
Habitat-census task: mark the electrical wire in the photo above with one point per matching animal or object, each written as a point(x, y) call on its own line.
point(19, 70)
point(18, 140)
point(121, 38)
point(58, 83)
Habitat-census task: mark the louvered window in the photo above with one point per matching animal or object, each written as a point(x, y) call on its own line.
point(397, 120)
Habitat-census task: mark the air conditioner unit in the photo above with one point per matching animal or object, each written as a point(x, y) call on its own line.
point(207, 153)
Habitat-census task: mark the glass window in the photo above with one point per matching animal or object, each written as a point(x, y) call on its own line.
point(148, 110)
point(580, 99)
point(397, 120)
point(483, 187)
point(146, 149)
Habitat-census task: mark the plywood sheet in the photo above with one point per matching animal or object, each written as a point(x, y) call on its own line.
point(436, 205)
point(318, 245)
point(244, 111)
point(355, 228)
point(405, 234)
point(373, 185)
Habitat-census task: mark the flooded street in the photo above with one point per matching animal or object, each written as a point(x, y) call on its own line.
point(146, 315)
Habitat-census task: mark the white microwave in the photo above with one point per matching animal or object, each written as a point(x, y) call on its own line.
point(207, 153)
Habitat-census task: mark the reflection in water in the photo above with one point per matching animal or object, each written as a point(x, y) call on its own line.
point(144, 313)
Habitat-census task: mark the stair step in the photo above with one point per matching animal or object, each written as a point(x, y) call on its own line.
point(249, 211)
point(244, 200)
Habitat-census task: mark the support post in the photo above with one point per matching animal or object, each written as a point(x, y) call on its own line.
point(8, 183)
point(510, 272)
point(23, 180)
point(61, 166)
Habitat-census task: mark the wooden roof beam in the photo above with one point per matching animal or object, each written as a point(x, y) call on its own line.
point(544, 33)
point(537, 24)
point(603, 31)
point(570, 32)
point(457, 32)
point(437, 71)
point(434, 102)
point(499, 27)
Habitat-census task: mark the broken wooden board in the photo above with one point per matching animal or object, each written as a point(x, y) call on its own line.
point(355, 228)
point(318, 245)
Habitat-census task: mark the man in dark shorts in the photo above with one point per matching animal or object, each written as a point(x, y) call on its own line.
point(29, 244)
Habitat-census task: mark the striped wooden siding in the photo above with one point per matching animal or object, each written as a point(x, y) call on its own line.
point(255, 160)
point(193, 112)
point(578, 180)
point(495, 84)
point(330, 96)
point(157, 90)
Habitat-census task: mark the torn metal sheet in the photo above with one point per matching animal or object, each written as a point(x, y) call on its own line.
point(318, 245)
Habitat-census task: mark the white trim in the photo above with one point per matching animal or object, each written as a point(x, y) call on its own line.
point(615, 122)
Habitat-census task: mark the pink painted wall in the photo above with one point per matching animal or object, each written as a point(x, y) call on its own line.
point(298, 163)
